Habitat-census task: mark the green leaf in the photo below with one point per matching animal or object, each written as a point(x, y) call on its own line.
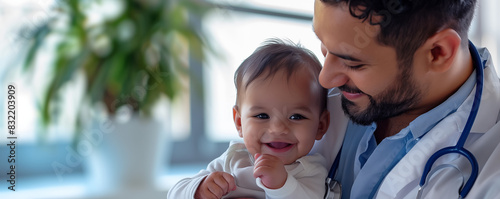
point(38, 37)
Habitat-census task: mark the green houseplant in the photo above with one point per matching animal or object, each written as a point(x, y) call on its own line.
point(130, 58)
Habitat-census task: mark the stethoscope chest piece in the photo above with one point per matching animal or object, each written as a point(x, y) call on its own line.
point(333, 189)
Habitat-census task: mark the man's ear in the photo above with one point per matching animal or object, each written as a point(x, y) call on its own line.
point(237, 120)
point(324, 123)
point(442, 49)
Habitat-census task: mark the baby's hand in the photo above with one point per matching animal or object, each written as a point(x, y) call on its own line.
point(271, 170)
point(215, 185)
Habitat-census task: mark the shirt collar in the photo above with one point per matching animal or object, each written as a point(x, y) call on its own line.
point(425, 122)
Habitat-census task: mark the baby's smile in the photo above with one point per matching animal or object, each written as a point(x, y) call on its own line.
point(279, 146)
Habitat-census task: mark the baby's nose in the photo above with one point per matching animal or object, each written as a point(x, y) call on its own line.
point(279, 126)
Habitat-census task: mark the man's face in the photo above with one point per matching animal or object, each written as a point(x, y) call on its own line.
point(374, 86)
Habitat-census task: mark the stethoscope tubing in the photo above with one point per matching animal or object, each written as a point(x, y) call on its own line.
point(459, 147)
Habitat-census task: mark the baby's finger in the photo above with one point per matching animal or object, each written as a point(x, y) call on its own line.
point(207, 194)
point(259, 158)
point(215, 190)
point(260, 170)
point(223, 184)
point(230, 180)
point(256, 156)
point(266, 159)
point(203, 191)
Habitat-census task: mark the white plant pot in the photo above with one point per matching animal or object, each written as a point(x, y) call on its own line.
point(129, 156)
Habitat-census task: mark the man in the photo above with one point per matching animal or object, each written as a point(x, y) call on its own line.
point(407, 77)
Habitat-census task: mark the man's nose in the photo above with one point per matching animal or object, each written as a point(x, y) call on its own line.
point(333, 73)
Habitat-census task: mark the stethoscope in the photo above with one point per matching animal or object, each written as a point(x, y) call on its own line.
point(334, 188)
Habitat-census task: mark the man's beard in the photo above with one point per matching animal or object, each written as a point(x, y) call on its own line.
point(393, 102)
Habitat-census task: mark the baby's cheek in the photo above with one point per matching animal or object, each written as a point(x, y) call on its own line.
point(252, 146)
point(253, 150)
point(251, 136)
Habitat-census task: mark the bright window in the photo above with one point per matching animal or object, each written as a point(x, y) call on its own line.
point(236, 42)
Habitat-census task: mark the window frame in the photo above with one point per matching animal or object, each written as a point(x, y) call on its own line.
point(198, 145)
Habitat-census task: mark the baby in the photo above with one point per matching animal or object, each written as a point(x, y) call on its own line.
point(280, 111)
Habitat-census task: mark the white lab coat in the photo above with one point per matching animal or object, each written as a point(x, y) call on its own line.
point(402, 181)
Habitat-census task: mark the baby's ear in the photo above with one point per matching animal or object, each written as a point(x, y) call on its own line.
point(324, 123)
point(237, 120)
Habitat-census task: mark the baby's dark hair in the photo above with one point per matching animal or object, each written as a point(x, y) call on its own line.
point(276, 55)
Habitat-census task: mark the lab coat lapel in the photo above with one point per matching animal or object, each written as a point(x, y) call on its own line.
point(404, 177)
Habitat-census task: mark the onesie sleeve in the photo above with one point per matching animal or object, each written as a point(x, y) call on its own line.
point(186, 187)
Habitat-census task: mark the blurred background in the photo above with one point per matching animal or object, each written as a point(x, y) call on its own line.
point(121, 99)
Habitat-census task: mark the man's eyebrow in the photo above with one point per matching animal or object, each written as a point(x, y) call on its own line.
point(346, 57)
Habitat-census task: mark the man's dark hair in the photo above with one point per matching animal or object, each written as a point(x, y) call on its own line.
point(275, 56)
point(407, 24)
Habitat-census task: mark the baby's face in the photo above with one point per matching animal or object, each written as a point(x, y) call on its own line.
point(282, 117)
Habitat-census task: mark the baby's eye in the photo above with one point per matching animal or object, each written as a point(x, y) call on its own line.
point(262, 116)
point(297, 117)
